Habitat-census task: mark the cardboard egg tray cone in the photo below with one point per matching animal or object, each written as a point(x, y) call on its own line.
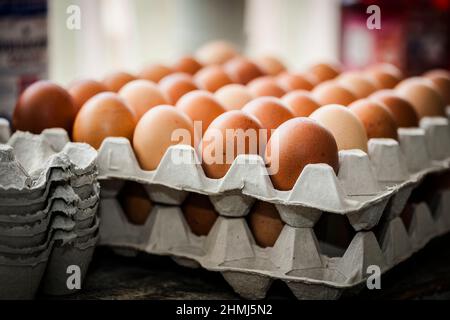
point(49, 197)
point(369, 187)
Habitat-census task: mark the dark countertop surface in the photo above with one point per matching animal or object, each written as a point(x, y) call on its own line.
point(424, 276)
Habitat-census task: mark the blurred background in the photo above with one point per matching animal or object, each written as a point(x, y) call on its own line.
point(38, 41)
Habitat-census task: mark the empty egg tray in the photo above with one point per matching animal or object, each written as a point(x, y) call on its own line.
point(49, 197)
point(367, 187)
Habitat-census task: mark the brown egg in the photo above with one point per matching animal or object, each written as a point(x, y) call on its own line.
point(212, 78)
point(242, 70)
point(384, 75)
point(294, 81)
point(141, 96)
point(105, 115)
point(270, 65)
point(357, 83)
point(187, 65)
point(324, 71)
point(423, 96)
point(233, 96)
point(176, 85)
point(347, 129)
point(160, 128)
point(271, 112)
point(44, 105)
point(82, 90)
point(219, 151)
point(200, 106)
point(265, 223)
point(135, 202)
point(331, 92)
point(216, 52)
point(199, 213)
point(115, 81)
point(403, 112)
point(265, 87)
point(155, 72)
point(286, 160)
point(441, 80)
point(300, 102)
point(376, 118)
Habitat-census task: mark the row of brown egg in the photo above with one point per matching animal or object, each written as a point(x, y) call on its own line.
point(228, 91)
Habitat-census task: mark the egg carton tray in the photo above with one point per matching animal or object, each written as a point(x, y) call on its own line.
point(49, 197)
point(297, 258)
point(26, 230)
point(367, 186)
point(23, 271)
point(30, 164)
point(366, 183)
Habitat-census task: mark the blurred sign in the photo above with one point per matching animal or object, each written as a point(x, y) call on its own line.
point(23, 48)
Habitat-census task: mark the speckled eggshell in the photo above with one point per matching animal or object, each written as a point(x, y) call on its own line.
point(295, 144)
point(376, 118)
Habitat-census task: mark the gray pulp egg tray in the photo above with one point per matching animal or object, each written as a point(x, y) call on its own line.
point(49, 197)
point(367, 187)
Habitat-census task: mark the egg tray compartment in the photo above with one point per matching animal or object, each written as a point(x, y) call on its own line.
point(45, 267)
point(48, 209)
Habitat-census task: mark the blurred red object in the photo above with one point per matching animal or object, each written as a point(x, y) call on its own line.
point(414, 34)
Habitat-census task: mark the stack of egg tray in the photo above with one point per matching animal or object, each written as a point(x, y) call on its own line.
point(370, 192)
point(49, 197)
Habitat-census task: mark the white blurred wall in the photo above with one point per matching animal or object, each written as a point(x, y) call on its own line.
point(126, 34)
